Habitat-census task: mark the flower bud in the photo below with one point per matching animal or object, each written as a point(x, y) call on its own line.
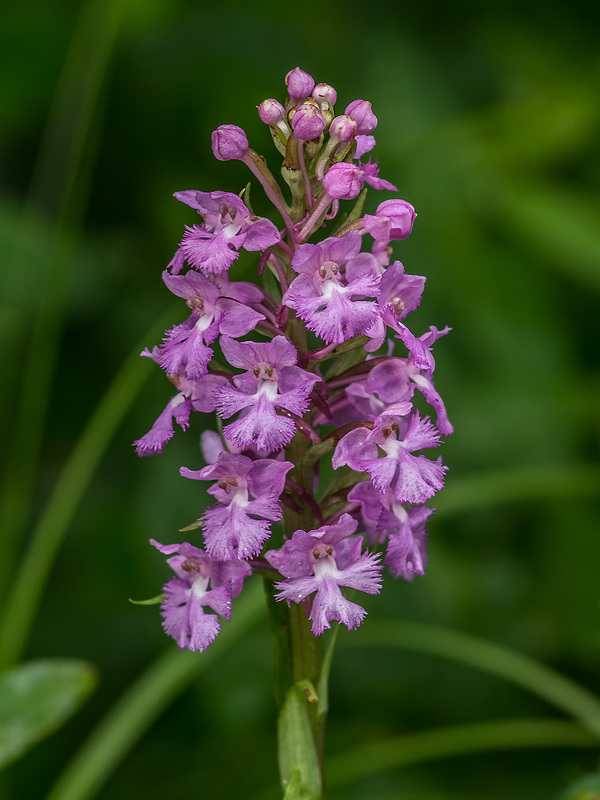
point(393, 219)
point(300, 84)
point(229, 143)
point(343, 129)
point(323, 91)
point(271, 112)
point(343, 181)
point(308, 122)
point(361, 111)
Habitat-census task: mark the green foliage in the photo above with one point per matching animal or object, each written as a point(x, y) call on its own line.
point(36, 698)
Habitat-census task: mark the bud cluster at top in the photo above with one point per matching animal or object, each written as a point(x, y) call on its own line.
point(299, 367)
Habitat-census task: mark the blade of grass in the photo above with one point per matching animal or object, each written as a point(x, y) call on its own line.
point(53, 524)
point(511, 666)
point(151, 694)
point(553, 481)
point(401, 751)
point(59, 189)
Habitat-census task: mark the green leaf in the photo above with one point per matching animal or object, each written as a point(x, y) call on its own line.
point(297, 751)
point(372, 758)
point(36, 698)
point(191, 527)
point(153, 601)
point(587, 788)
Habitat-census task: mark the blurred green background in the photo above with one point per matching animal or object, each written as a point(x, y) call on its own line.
point(489, 124)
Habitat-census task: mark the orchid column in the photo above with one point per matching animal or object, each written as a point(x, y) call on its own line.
point(297, 369)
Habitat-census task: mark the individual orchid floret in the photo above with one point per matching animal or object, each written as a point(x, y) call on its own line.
point(192, 394)
point(413, 478)
point(299, 83)
point(186, 346)
point(362, 112)
point(229, 143)
point(228, 225)
point(321, 562)
point(330, 275)
point(307, 122)
point(345, 181)
point(200, 582)
point(396, 379)
point(403, 527)
point(420, 347)
point(393, 220)
point(364, 145)
point(248, 501)
point(272, 381)
point(399, 294)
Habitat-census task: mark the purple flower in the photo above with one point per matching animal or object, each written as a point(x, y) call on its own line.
point(192, 394)
point(323, 291)
point(393, 219)
point(397, 378)
point(271, 381)
point(345, 181)
point(398, 295)
point(248, 493)
point(413, 478)
point(185, 347)
point(320, 562)
point(403, 527)
point(228, 225)
point(201, 582)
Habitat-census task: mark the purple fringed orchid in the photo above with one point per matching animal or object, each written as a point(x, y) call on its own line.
point(413, 478)
point(403, 527)
point(248, 493)
point(321, 562)
point(398, 295)
point(271, 381)
point(216, 308)
point(396, 379)
point(228, 225)
point(197, 395)
point(330, 275)
point(201, 582)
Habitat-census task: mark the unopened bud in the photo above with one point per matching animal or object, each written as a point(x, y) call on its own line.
point(308, 122)
point(361, 111)
point(229, 143)
point(300, 84)
point(271, 112)
point(393, 219)
point(323, 91)
point(343, 129)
